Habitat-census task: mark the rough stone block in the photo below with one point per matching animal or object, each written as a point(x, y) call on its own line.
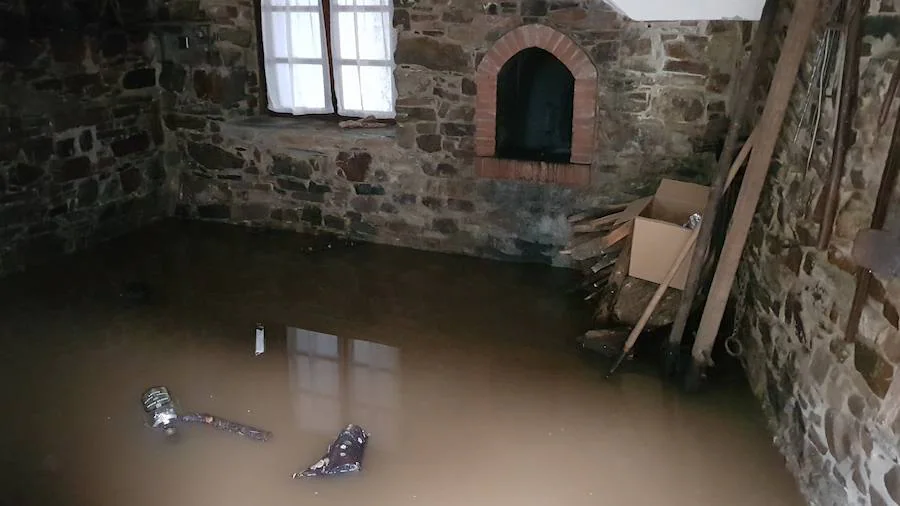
point(433, 203)
point(172, 77)
point(134, 144)
point(457, 129)
point(312, 215)
point(65, 148)
point(335, 222)
point(686, 67)
point(131, 179)
point(75, 168)
point(293, 167)
point(139, 78)
point(445, 226)
point(368, 189)
point(237, 36)
point(431, 53)
point(429, 143)
point(86, 141)
point(213, 157)
point(354, 165)
point(24, 174)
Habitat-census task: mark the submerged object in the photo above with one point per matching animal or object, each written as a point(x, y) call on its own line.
point(260, 339)
point(160, 409)
point(162, 415)
point(227, 426)
point(344, 454)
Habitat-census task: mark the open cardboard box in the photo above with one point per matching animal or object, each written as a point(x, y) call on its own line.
point(660, 233)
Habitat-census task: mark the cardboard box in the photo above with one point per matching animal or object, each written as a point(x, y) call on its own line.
point(659, 231)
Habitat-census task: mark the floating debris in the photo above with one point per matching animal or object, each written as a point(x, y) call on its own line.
point(344, 454)
point(163, 416)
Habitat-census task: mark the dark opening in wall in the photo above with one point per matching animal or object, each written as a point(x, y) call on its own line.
point(535, 93)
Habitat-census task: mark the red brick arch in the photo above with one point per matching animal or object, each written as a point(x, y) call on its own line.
point(566, 51)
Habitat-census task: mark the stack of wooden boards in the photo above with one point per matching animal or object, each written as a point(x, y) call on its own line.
point(599, 239)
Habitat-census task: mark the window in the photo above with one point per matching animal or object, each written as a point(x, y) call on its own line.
point(326, 56)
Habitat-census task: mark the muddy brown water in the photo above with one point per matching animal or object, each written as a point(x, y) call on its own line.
point(461, 369)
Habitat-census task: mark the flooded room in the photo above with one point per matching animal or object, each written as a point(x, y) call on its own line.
point(435, 252)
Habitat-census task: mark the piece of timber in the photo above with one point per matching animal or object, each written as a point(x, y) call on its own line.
point(767, 132)
point(741, 107)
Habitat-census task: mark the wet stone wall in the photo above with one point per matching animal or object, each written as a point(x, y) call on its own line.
point(662, 87)
point(831, 403)
point(79, 131)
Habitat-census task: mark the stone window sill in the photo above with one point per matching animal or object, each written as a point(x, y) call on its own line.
point(313, 134)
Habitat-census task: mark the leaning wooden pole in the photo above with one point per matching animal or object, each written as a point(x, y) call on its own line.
point(740, 109)
point(843, 137)
point(768, 130)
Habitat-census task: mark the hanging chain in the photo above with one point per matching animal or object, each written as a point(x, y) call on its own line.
point(733, 345)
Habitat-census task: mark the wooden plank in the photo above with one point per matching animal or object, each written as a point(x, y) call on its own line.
point(596, 213)
point(741, 108)
point(843, 136)
point(634, 209)
point(596, 223)
point(598, 246)
point(878, 251)
point(770, 124)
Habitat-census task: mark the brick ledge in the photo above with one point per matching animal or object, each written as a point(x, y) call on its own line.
point(566, 174)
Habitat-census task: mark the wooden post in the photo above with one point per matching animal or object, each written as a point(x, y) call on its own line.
point(846, 110)
point(744, 89)
point(768, 130)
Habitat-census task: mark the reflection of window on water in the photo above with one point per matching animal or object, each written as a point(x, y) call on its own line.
point(336, 381)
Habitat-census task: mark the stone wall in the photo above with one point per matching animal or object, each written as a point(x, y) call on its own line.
point(79, 131)
point(832, 404)
point(662, 90)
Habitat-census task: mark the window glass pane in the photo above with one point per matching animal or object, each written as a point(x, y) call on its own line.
point(347, 32)
point(309, 86)
point(351, 91)
point(373, 29)
point(284, 97)
point(364, 2)
point(377, 95)
point(306, 38)
point(277, 29)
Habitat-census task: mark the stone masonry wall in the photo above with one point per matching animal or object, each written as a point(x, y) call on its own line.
point(662, 90)
point(78, 131)
point(832, 404)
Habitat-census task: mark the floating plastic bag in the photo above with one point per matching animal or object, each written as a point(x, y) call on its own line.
point(344, 454)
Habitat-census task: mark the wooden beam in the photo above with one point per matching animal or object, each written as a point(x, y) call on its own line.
point(598, 245)
point(744, 89)
point(843, 137)
point(792, 53)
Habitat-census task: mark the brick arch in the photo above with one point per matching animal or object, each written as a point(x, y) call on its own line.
point(566, 51)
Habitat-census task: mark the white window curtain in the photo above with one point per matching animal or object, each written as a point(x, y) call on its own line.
point(296, 62)
point(363, 53)
point(296, 59)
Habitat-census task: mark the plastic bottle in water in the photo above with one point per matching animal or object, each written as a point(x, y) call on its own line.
point(160, 410)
